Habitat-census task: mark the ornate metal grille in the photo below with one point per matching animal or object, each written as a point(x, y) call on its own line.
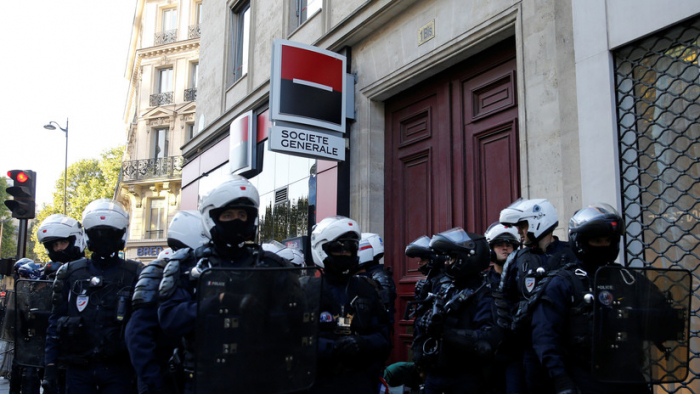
point(191, 94)
point(658, 86)
point(193, 32)
point(164, 168)
point(159, 99)
point(166, 37)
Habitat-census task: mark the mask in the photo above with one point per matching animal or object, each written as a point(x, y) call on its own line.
point(229, 235)
point(105, 243)
point(340, 267)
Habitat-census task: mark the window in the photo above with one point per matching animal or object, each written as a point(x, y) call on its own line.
point(190, 131)
point(160, 146)
point(193, 75)
point(241, 34)
point(156, 219)
point(169, 21)
point(198, 13)
point(165, 80)
point(194, 31)
point(303, 9)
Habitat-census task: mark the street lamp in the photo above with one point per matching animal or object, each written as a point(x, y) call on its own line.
point(50, 126)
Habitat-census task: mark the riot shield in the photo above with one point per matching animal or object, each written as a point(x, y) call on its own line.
point(32, 310)
point(256, 331)
point(641, 324)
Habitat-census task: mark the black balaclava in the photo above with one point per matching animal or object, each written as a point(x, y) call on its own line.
point(105, 243)
point(339, 267)
point(70, 253)
point(228, 237)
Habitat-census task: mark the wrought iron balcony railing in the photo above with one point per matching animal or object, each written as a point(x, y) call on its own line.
point(166, 37)
point(193, 31)
point(191, 94)
point(159, 99)
point(163, 168)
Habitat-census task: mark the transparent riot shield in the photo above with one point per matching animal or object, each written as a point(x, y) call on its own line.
point(256, 331)
point(641, 324)
point(32, 310)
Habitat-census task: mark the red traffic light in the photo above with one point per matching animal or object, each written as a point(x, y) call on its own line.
point(19, 176)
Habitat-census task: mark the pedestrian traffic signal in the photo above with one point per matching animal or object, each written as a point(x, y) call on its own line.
point(23, 206)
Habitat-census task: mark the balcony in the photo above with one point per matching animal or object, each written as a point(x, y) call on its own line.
point(191, 94)
point(166, 37)
point(159, 99)
point(193, 32)
point(163, 168)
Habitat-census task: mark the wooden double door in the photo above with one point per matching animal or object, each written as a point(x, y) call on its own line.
point(452, 160)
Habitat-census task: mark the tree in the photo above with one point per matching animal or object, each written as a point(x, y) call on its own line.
point(9, 240)
point(88, 180)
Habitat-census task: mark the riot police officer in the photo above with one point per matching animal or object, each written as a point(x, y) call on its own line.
point(354, 327)
point(503, 240)
point(430, 264)
point(230, 216)
point(64, 240)
point(374, 268)
point(524, 270)
point(91, 309)
point(457, 337)
point(562, 334)
point(150, 348)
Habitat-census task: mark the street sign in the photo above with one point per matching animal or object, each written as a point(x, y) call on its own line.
point(303, 142)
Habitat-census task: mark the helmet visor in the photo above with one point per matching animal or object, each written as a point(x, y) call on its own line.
point(347, 243)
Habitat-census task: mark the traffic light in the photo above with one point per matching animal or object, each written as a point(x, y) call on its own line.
point(23, 206)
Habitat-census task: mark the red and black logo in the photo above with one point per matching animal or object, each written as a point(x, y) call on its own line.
point(311, 85)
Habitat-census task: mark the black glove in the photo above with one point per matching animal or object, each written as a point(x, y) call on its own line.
point(501, 312)
point(432, 324)
point(564, 385)
point(50, 381)
point(347, 346)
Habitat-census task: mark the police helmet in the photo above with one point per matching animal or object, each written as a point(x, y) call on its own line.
point(377, 245)
point(165, 254)
point(233, 193)
point(30, 270)
point(469, 253)
point(293, 255)
point(105, 222)
point(19, 263)
point(365, 254)
point(331, 237)
point(59, 227)
point(186, 230)
point(539, 214)
point(593, 221)
point(420, 248)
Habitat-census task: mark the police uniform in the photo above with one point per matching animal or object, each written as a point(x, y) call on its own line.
point(457, 352)
point(519, 285)
point(351, 306)
point(178, 300)
point(562, 334)
point(387, 285)
point(86, 327)
point(150, 348)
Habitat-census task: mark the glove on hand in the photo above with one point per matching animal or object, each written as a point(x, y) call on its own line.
point(564, 385)
point(50, 381)
point(347, 346)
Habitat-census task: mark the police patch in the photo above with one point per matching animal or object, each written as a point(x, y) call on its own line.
point(326, 317)
point(529, 284)
point(605, 297)
point(81, 302)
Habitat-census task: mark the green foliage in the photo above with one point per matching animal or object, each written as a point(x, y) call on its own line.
point(88, 180)
point(286, 220)
point(9, 239)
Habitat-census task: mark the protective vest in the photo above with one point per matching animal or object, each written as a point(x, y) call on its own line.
point(98, 308)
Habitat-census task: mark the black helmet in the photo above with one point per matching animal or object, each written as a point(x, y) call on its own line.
point(421, 248)
point(597, 220)
point(470, 252)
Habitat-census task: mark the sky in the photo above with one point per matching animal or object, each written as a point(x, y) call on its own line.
point(61, 60)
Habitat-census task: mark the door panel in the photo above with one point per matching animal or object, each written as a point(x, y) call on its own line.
point(451, 159)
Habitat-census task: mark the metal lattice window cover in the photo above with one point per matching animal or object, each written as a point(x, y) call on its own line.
point(658, 108)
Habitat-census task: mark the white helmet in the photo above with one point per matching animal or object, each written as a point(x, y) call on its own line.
point(365, 253)
point(165, 254)
point(335, 234)
point(377, 244)
point(186, 230)
point(539, 214)
point(233, 193)
point(498, 232)
point(293, 255)
point(60, 227)
point(105, 222)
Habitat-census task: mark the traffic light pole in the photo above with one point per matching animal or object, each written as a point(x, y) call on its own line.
point(22, 239)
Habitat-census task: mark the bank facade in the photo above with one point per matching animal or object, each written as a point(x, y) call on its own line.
point(461, 107)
